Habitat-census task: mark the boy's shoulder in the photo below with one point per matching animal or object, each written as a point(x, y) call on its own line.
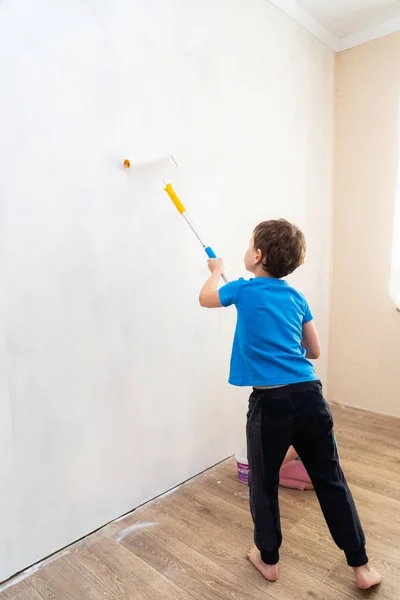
point(279, 288)
point(245, 292)
point(266, 284)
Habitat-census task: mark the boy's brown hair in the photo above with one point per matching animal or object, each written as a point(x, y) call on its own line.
point(283, 247)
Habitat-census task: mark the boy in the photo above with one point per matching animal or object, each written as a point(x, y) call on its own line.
point(274, 339)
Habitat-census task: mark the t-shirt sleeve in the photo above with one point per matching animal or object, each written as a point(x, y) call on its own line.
point(228, 292)
point(308, 316)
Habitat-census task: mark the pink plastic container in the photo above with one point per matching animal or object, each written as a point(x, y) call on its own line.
point(242, 469)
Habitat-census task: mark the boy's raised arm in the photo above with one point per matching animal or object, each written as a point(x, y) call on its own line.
point(209, 295)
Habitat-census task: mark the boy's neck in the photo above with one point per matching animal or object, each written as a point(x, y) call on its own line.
point(260, 272)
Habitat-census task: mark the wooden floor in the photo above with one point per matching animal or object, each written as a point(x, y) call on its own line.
point(192, 542)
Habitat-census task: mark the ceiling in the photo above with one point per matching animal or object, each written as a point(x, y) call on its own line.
point(347, 17)
point(344, 23)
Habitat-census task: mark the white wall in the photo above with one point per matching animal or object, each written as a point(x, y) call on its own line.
point(113, 380)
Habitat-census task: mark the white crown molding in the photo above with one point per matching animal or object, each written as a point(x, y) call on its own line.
point(370, 34)
point(299, 14)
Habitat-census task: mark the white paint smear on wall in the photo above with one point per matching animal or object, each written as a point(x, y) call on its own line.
point(113, 383)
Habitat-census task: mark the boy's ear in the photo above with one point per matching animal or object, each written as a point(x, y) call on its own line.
point(259, 257)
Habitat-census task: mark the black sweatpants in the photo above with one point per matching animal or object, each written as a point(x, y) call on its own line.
point(298, 415)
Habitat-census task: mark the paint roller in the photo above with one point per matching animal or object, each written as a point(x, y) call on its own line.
point(180, 207)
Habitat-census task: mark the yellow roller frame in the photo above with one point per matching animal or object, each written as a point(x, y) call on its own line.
point(171, 193)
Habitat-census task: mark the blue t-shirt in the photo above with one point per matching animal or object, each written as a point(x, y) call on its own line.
point(267, 346)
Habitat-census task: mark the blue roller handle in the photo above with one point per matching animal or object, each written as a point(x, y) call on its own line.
point(210, 252)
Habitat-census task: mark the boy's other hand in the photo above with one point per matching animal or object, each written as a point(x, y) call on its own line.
point(215, 264)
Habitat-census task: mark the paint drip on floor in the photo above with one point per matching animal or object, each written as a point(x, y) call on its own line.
point(133, 528)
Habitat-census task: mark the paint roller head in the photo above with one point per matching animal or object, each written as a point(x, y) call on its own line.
point(127, 164)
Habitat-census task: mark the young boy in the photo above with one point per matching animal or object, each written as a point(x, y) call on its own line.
point(274, 339)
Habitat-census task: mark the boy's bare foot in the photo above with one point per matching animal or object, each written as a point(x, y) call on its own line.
point(270, 572)
point(367, 577)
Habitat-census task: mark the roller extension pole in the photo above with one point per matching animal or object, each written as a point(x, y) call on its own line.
point(182, 211)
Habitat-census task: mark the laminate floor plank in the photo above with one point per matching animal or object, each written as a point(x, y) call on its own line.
point(190, 570)
point(65, 579)
point(10, 589)
point(126, 575)
point(27, 593)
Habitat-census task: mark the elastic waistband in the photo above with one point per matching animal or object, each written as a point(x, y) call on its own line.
point(270, 387)
point(276, 391)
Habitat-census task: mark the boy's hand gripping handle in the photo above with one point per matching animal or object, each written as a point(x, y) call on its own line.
point(211, 254)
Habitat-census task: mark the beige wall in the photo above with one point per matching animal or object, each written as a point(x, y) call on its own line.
point(364, 365)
